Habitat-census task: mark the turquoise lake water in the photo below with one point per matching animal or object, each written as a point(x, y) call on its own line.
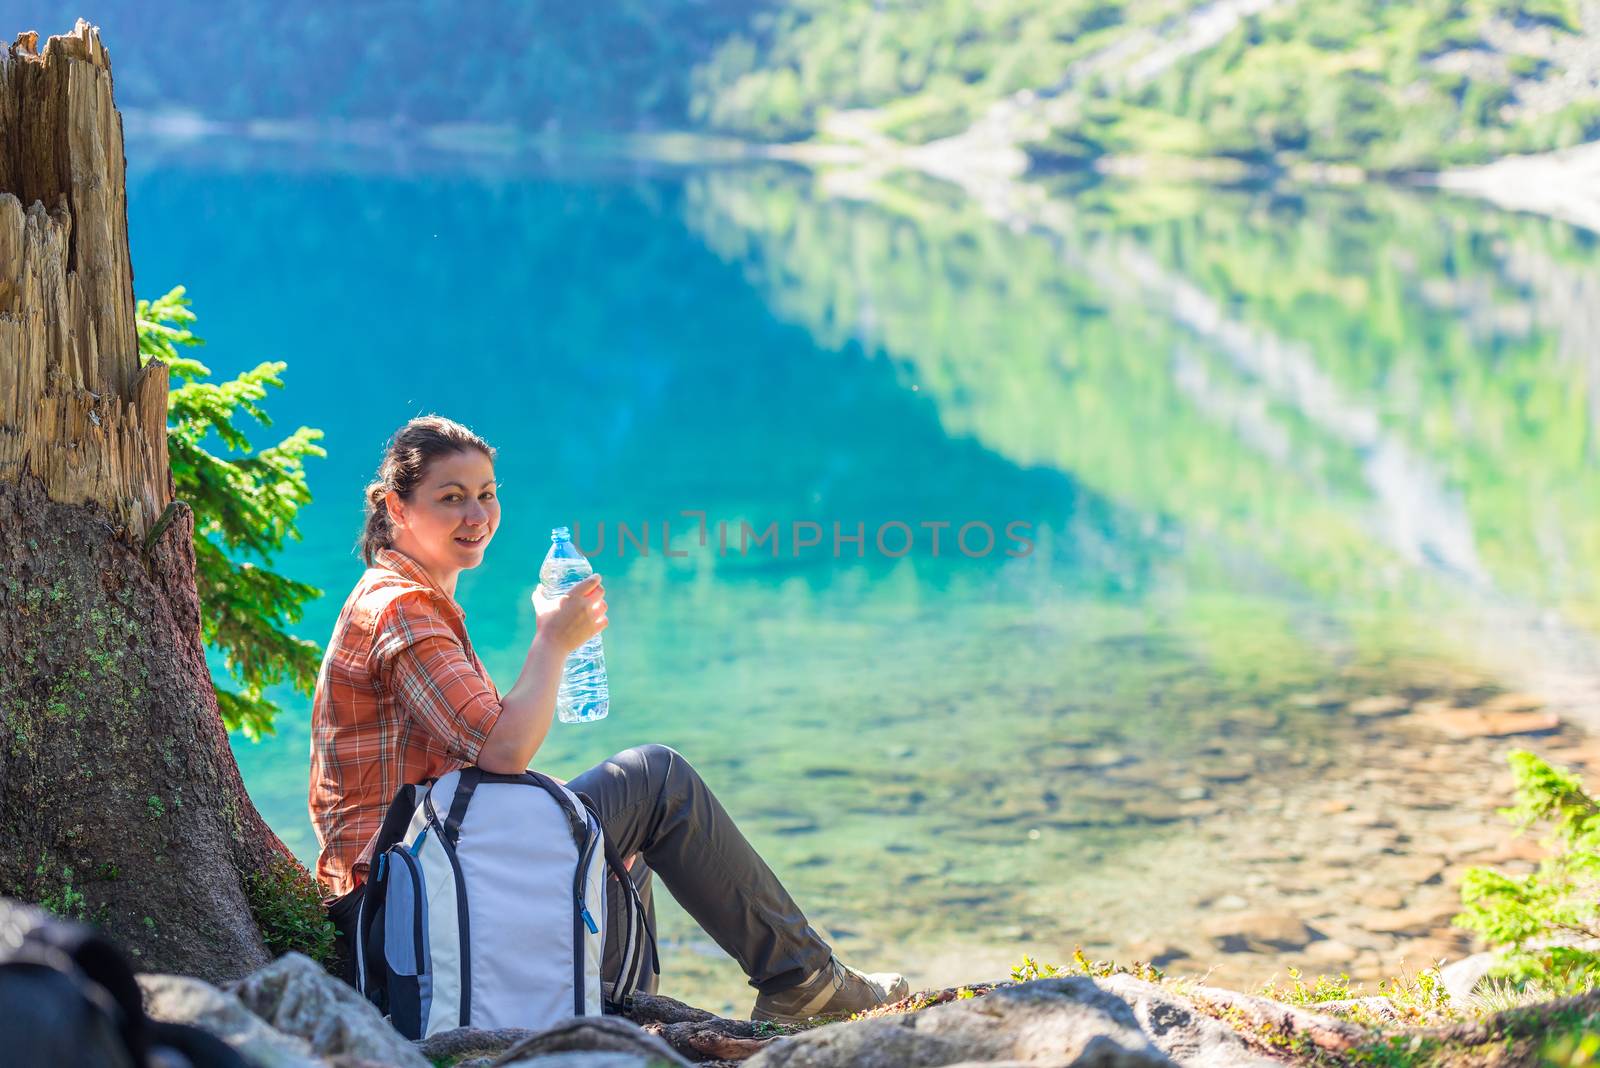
point(1257, 444)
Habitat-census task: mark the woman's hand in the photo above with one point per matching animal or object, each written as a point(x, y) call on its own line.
point(568, 621)
point(526, 710)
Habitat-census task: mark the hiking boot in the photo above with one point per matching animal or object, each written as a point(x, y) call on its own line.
point(834, 988)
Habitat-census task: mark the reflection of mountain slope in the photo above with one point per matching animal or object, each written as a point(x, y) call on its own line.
point(1464, 337)
point(1027, 351)
point(1414, 512)
point(1328, 421)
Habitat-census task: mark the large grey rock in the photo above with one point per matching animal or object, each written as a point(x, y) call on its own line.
point(1052, 1021)
point(296, 996)
point(1462, 977)
point(589, 1059)
point(592, 1036)
point(180, 999)
point(1180, 1031)
point(471, 1043)
point(867, 1044)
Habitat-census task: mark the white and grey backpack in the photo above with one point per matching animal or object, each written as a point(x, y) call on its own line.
point(485, 907)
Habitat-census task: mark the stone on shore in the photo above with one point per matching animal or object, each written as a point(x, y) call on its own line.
point(1260, 932)
point(296, 996)
point(1482, 723)
point(1378, 707)
point(1050, 1021)
point(180, 999)
point(592, 1042)
point(586, 1059)
point(470, 1043)
point(1179, 1030)
point(1461, 978)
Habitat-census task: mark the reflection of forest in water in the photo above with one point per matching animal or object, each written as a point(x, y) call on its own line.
point(1387, 401)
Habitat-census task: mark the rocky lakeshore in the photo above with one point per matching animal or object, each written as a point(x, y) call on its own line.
point(1332, 850)
point(292, 1014)
point(1349, 864)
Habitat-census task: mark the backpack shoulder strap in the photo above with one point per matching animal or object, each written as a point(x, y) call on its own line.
point(466, 785)
point(398, 818)
point(472, 777)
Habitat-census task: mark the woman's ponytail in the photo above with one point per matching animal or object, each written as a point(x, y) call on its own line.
point(405, 460)
point(375, 533)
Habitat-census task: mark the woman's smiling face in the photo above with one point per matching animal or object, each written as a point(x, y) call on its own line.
point(452, 514)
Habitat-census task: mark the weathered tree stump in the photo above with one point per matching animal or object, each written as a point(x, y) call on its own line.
point(120, 801)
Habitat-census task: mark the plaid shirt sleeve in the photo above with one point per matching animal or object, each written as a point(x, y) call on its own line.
point(424, 665)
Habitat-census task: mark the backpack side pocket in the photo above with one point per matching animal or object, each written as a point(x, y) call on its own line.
point(405, 944)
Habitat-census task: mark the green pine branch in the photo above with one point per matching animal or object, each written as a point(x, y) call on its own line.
point(245, 503)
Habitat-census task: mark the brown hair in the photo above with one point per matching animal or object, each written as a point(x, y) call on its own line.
point(405, 460)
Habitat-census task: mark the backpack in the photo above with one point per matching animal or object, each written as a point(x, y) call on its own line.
point(68, 997)
point(485, 907)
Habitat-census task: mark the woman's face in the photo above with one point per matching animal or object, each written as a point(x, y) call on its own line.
point(452, 513)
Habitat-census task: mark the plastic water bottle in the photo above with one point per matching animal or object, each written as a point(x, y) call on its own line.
point(584, 696)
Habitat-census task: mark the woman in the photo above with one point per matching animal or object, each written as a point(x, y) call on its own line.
point(402, 697)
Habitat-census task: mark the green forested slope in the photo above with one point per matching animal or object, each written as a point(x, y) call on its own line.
point(1380, 84)
point(933, 63)
point(1384, 84)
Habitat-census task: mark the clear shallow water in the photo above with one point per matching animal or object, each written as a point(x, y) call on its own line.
point(1259, 442)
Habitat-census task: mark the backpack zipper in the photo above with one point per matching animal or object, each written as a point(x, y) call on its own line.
point(581, 914)
point(580, 882)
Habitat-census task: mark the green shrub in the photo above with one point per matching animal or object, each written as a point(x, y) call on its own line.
point(1418, 999)
point(1531, 916)
point(1029, 969)
point(1299, 992)
point(287, 904)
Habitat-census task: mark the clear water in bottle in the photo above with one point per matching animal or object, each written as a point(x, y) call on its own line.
point(584, 696)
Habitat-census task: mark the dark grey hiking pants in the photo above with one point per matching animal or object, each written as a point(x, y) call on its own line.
point(652, 802)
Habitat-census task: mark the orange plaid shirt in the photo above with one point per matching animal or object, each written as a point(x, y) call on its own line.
point(401, 697)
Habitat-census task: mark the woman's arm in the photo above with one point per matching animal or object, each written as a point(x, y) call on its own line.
point(526, 709)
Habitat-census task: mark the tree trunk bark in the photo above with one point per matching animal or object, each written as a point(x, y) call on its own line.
point(120, 801)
